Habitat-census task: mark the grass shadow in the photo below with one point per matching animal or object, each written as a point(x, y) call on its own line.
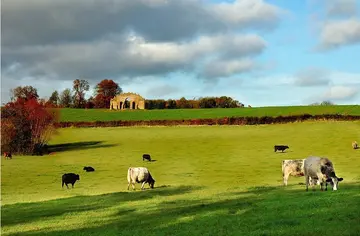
point(78, 146)
point(28, 212)
point(272, 211)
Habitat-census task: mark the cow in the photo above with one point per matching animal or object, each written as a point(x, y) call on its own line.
point(292, 168)
point(7, 155)
point(139, 175)
point(69, 178)
point(355, 145)
point(89, 169)
point(146, 157)
point(280, 147)
point(322, 170)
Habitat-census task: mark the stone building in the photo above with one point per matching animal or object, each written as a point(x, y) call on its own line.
point(127, 101)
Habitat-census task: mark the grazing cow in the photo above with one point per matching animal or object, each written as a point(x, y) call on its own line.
point(69, 178)
point(89, 169)
point(322, 170)
point(7, 155)
point(280, 147)
point(355, 145)
point(292, 168)
point(139, 175)
point(146, 157)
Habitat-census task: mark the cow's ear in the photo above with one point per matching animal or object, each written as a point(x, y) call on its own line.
point(340, 179)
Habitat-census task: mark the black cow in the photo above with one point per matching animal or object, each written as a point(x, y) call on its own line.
point(7, 155)
point(146, 157)
point(69, 178)
point(280, 147)
point(89, 169)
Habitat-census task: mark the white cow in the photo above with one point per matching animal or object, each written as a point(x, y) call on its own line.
point(139, 175)
point(292, 168)
point(322, 170)
point(355, 145)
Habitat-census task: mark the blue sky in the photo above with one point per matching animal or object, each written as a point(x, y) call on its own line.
point(262, 53)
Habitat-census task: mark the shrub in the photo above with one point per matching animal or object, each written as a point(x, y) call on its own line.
point(26, 125)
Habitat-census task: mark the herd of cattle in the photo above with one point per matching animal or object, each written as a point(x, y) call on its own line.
point(317, 171)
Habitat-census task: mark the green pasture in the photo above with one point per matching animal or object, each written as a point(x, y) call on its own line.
point(210, 180)
point(68, 114)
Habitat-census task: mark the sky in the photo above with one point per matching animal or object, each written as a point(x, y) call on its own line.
point(262, 53)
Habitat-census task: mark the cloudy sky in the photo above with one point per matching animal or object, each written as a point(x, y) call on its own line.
point(259, 52)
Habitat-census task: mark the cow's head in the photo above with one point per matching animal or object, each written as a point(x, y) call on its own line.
point(334, 181)
point(77, 177)
point(151, 183)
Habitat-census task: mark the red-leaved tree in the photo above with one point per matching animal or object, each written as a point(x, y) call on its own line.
point(26, 125)
point(106, 90)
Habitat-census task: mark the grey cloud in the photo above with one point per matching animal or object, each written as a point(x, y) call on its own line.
point(339, 8)
point(40, 22)
point(216, 69)
point(312, 77)
point(339, 33)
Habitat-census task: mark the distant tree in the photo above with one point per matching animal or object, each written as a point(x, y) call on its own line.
point(106, 90)
point(326, 103)
point(171, 104)
point(183, 103)
point(26, 92)
point(54, 98)
point(66, 98)
point(80, 86)
point(90, 103)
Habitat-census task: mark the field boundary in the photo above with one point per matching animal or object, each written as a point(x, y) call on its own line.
point(214, 121)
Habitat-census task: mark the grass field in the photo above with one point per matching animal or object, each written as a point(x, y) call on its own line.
point(68, 114)
point(217, 180)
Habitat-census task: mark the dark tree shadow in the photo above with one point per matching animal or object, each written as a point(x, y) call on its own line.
point(78, 146)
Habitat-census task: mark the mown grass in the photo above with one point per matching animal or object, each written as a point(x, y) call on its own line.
point(218, 180)
point(68, 114)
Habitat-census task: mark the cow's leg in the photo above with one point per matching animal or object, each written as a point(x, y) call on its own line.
point(307, 182)
point(67, 185)
point(143, 185)
point(133, 185)
point(72, 185)
point(128, 185)
point(286, 177)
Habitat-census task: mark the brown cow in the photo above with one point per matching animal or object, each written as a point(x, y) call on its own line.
point(7, 155)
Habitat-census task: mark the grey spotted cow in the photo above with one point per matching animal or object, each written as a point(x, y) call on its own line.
point(322, 170)
point(139, 175)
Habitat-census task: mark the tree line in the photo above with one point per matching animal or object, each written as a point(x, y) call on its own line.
point(106, 90)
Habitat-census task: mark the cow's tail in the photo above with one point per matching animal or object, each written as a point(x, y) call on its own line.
point(129, 175)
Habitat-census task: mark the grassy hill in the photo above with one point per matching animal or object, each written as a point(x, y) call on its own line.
point(74, 115)
point(210, 180)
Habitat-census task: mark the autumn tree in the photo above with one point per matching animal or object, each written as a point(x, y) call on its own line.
point(106, 90)
point(80, 87)
point(26, 92)
point(66, 98)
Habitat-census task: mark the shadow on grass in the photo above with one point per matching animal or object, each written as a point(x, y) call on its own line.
point(78, 146)
point(28, 212)
point(267, 211)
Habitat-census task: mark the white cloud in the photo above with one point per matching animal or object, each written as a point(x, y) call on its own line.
point(312, 77)
point(340, 93)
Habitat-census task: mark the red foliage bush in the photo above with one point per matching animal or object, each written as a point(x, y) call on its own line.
point(26, 124)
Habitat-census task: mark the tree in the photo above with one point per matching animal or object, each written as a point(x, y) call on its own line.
point(26, 125)
point(66, 98)
point(54, 98)
point(80, 86)
point(26, 92)
point(106, 90)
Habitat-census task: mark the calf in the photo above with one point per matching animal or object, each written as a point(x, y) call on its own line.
point(7, 155)
point(322, 170)
point(146, 157)
point(280, 147)
point(139, 175)
point(69, 178)
point(292, 168)
point(89, 169)
point(355, 145)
